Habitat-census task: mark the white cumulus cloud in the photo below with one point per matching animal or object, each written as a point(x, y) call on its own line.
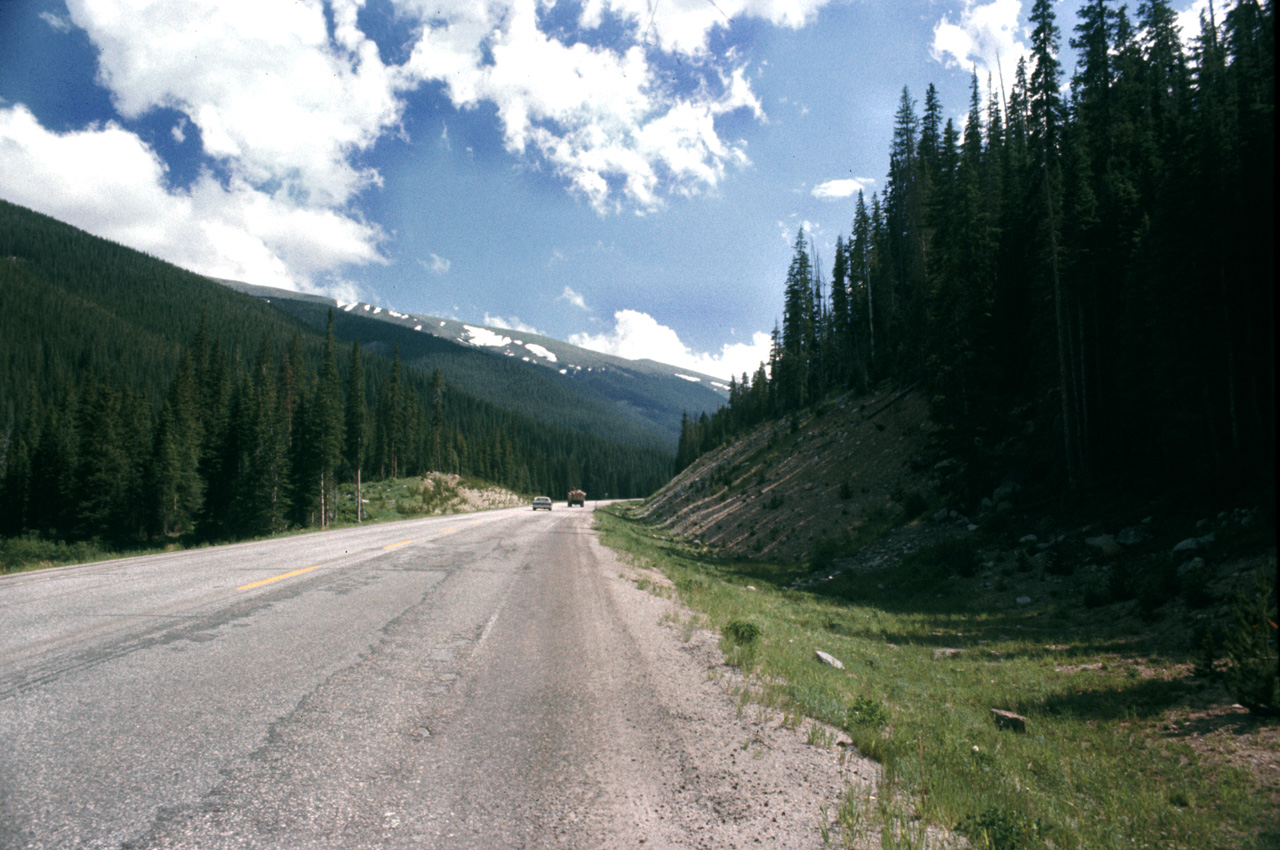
point(843, 188)
point(599, 115)
point(987, 36)
point(289, 96)
point(639, 336)
point(510, 323)
point(276, 97)
point(436, 264)
point(573, 298)
point(109, 182)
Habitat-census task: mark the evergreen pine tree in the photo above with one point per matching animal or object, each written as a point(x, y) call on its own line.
point(356, 425)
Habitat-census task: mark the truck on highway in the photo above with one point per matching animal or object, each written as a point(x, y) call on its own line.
point(577, 497)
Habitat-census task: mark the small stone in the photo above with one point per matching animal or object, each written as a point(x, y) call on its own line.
point(1192, 544)
point(1028, 539)
point(829, 660)
point(1005, 492)
point(1106, 543)
point(1009, 720)
point(1024, 600)
point(1133, 535)
point(1190, 566)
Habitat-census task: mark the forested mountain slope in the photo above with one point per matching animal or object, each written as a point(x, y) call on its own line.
point(140, 401)
point(553, 381)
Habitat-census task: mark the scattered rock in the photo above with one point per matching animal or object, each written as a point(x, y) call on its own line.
point(1190, 566)
point(1024, 600)
point(829, 660)
point(1133, 535)
point(1004, 506)
point(1009, 720)
point(1106, 544)
point(1005, 492)
point(1193, 544)
point(1028, 539)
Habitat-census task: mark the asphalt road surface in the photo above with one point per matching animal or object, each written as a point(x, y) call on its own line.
point(477, 681)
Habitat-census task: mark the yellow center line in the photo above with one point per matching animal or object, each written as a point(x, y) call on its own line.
point(449, 531)
point(278, 578)
point(394, 545)
point(478, 522)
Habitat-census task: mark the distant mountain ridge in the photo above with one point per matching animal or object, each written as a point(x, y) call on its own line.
point(536, 375)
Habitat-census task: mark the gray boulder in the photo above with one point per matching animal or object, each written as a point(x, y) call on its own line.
point(1133, 535)
point(829, 660)
point(1009, 720)
point(1194, 544)
point(1104, 543)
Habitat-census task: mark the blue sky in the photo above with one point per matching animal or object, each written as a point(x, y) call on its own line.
point(627, 175)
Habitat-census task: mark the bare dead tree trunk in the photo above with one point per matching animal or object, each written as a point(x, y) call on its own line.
point(1064, 390)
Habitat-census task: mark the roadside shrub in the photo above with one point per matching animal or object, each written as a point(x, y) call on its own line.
point(1000, 829)
point(18, 553)
point(743, 632)
point(1157, 584)
point(1251, 676)
point(1057, 563)
point(1120, 583)
point(913, 505)
point(825, 552)
point(955, 556)
point(1194, 583)
point(864, 711)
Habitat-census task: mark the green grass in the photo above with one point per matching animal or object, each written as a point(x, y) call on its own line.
point(1093, 770)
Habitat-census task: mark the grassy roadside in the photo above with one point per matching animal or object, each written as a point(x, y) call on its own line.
point(1097, 767)
point(386, 501)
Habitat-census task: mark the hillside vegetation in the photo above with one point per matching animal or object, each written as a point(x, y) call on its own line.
point(1133, 637)
point(142, 404)
point(1018, 457)
point(636, 402)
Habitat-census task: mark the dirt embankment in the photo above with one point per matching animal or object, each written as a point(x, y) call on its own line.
point(780, 489)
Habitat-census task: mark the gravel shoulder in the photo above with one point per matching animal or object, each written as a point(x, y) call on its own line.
point(748, 779)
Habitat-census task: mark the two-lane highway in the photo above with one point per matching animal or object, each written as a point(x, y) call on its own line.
point(128, 687)
point(475, 681)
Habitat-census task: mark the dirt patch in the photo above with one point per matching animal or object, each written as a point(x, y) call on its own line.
point(464, 498)
point(779, 490)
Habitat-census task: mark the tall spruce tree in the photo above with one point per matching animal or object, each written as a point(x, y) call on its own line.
point(356, 425)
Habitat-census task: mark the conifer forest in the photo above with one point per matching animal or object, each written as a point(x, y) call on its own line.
point(1080, 276)
point(141, 404)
